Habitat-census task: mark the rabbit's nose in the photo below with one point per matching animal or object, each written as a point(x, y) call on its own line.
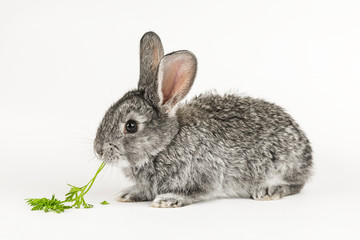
point(98, 150)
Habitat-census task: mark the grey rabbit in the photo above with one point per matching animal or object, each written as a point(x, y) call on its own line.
point(213, 146)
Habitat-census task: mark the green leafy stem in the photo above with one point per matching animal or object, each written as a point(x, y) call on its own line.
point(74, 196)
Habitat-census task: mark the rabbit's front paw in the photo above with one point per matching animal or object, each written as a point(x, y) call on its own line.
point(127, 197)
point(130, 195)
point(168, 200)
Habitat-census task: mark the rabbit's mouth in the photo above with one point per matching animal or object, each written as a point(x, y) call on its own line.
point(114, 158)
point(109, 153)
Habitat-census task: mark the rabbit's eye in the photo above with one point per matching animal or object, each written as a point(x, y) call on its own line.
point(131, 126)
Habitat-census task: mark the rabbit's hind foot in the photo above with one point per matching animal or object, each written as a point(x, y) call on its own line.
point(276, 192)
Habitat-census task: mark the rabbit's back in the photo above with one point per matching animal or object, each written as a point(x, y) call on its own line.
point(242, 142)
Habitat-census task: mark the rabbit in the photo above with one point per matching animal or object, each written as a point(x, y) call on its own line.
point(213, 146)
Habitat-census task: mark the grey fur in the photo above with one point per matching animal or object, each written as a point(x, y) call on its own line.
point(210, 147)
point(151, 52)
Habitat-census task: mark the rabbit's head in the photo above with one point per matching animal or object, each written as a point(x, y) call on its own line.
point(143, 122)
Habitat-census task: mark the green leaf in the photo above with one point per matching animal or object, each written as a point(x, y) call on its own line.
point(75, 196)
point(46, 204)
point(104, 203)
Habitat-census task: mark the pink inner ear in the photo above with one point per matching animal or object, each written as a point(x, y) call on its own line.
point(174, 79)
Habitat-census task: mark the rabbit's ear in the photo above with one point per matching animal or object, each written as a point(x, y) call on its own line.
point(176, 75)
point(151, 52)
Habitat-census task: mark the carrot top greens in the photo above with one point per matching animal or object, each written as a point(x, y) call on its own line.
point(75, 197)
point(47, 205)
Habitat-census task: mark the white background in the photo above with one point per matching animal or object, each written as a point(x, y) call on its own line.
point(63, 63)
